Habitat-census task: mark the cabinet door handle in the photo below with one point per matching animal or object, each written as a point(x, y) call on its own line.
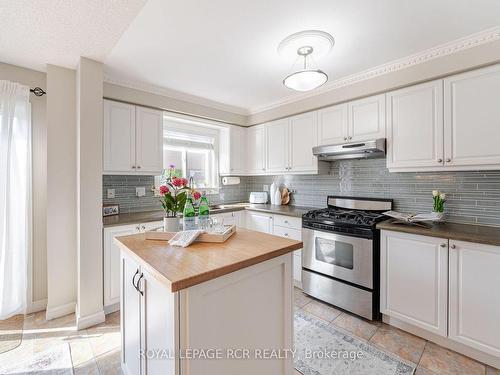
point(349, 137)
point(137, 228)
point(133, 167)
point(440, 160)
point(138, 167)
point(133, 280)
point(443, 245)
point(448, 160)
point(138, 281)
point(143, 227)
point(345, 138)
point(453, 246)
point(286, 234)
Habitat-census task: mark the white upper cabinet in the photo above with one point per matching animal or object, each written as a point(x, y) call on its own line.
point(149, 140)
point(119, 137)
point(133, 139)
point(415, 126)
point(303, 137)
point(472, 118)
point(277, 146)
point(414, 280)
point(332, 125)
point(256, 150)
point(366, 118)
point(232, 151)
point(474, 297)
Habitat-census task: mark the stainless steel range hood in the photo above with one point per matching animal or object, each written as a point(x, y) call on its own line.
point(355, 150)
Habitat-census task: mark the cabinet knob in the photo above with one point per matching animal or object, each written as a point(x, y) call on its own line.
point(440, 160)
point(133, 167)
point(263, 169)
point(286, 234)
point(453, 247)
point(443, 245)
point(448, 160)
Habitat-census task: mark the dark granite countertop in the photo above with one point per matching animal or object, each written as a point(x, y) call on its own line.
point(460, 232)
point(295, 211)
point(157, 215)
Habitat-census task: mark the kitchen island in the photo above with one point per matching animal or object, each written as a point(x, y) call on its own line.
point(210, 308)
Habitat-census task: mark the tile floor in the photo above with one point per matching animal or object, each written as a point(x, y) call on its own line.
point(96, 350)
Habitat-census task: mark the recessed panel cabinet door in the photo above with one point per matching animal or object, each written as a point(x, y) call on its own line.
point(414, 280)
point(130, 316)
point(277, 146)
point(237, 150)
point(415, 126)
point(472, 118)
point(119, 137)
point(367, 118)
point(159, 317)
point(303, 137)
point(149, 140)
point(256, 150)
point(260, 222)
point(474, 296)
point(332, 125)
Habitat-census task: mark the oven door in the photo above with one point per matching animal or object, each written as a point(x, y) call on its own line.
point(342, 257)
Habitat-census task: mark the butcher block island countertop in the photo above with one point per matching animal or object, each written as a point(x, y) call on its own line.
point(203, 261)
point(224, 296)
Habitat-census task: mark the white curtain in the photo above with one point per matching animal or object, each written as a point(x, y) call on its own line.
point(15, 197)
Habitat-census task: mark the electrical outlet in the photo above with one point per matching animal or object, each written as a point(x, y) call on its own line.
point(140, 191)
point(265, 187)
point(111, 193)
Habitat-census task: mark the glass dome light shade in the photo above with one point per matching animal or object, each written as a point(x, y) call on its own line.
point(305, 80)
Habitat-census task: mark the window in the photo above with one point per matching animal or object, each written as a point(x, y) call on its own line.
point(192, 148)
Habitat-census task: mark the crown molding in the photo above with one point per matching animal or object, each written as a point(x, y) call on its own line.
point(174, 94)
point(458, 45)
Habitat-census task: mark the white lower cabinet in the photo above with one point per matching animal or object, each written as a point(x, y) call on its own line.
point(111, 260)
point(148, 313)
point(445, 287)
point(230, 218)
point(474, 296)
point(414, 280)
point(291, 227)
point(259, 221)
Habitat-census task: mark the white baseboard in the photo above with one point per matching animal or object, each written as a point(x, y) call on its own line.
point(58, 311)
point(36, 306)
point(83, 322)
point(443, 341)
point(111, 308)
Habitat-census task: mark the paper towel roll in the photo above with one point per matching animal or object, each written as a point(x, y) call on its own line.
point(230, 180)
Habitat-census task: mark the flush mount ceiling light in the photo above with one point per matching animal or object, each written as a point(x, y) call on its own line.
point(303, 45)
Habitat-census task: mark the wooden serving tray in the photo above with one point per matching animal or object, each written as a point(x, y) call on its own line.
point(204, 237)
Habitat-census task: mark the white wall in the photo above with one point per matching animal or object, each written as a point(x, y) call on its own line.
point(61, 192)
point(89, 109)
point(39, 138)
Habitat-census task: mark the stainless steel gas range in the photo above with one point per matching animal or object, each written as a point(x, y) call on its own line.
point(341, 254)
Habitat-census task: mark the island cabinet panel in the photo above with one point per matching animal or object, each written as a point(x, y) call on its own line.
point(414, 280)
point(250, 309)
point(149, 322)
point(130, 317)
point(159, 329)
point(474, 296)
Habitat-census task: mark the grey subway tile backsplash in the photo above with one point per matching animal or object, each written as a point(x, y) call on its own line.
point(473, 196)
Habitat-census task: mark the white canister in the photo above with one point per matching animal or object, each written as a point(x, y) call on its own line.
point(277, 197)
point(272, 192)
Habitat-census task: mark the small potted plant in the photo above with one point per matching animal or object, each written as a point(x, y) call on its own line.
point(173, 195)
point(439, 200)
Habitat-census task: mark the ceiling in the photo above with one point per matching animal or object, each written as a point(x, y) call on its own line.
point(223, 53)
point(34, 33)
point(226, 50)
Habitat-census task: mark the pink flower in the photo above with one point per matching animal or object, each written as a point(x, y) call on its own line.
point(163, 190)
point(184, 182)
point(196, 195)
point(177, 182)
